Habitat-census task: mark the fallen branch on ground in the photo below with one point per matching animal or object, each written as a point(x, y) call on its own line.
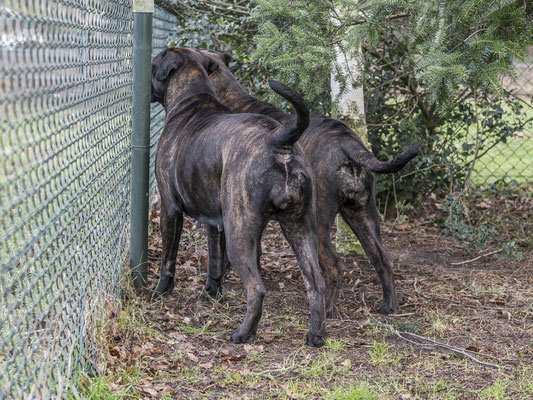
point(430, 342)
point(476, 258)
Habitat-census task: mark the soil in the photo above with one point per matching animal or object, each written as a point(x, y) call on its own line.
point(482, 307)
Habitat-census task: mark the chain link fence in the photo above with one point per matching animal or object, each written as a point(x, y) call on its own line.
point(65, 115)
point(164, 31)
point(512, 160)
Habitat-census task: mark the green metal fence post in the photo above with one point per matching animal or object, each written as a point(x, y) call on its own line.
point(140, 158)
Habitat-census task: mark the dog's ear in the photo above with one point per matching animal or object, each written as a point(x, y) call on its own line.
point(171, 62)
point(156, 92)
point(226, 58)
point(164, 64)
point(212, 66)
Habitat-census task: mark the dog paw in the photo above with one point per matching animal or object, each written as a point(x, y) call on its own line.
point(387, 309)
point(315, 340)
point(237, 337)
point(212, 292)
point(164, 287)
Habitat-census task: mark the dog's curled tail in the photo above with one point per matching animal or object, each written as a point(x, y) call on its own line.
point(362, 156)
point(288, 135)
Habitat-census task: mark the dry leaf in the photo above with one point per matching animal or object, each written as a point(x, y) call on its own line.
point(177, 335)
point(248, 348)
point(506, 314)
point(234, 358)
point(157, 350)
point(149, 390)
point(403, 227)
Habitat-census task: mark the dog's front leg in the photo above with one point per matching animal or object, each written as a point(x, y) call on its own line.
point(218, 263)
point(171, 222)
point(365, 224)
point(302, 236)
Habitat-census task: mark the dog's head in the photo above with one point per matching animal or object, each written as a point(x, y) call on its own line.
point(226, 85)
point(192, 69)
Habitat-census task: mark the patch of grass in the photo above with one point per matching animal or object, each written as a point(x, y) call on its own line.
point(192, 330)
point(295, 389)
point(321, 367)
point(375, 331)
point(496, 390)
point(335, 345)
point(380, 353)
point(193, 374)
point(437, 324)
point(524, 380)
point(99, 388)
point(412, 325)
point(131, 321)
point(239, 378)
point(439, 389)
point(491, 291)
point(360, 391)
point(254, 358)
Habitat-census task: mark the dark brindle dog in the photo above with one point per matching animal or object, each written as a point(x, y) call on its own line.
point(233, 172)
point(344, 183)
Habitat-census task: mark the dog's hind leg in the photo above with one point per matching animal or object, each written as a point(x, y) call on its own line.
point(300, 232)
point(331, 264)
point(171, 222)
point(218, 263)
point(242, 239)
point(364, 222)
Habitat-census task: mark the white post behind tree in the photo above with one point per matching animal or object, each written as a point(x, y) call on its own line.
point(348, 106)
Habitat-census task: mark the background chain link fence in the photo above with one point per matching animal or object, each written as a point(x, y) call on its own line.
point(513, 160)
point(164, 31)
point(65, 115)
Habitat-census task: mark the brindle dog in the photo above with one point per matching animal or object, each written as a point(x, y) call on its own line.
point(344, 181)
point(233, 172)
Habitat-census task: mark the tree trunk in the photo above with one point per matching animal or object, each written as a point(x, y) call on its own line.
point(348, 107)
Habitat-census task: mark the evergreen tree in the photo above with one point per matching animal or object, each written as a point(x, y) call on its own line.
point(447, 43)
point(432, 70)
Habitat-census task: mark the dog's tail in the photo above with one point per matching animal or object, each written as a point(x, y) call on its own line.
point(288, 135)
point(359, 154)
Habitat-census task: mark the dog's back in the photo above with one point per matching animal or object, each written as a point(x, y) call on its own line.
point(220, 155)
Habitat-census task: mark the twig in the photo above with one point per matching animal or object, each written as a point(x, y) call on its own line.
point(432, 343)
point(457, 350)
point(418, 293)
point(476, 258)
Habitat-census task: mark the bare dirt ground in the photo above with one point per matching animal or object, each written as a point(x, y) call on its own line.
point(179, 348)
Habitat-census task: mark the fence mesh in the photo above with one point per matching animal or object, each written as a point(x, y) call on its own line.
point(164, 32)
point(65, 114)
point(512, 160)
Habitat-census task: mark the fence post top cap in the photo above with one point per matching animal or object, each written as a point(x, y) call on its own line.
point(146, 6)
